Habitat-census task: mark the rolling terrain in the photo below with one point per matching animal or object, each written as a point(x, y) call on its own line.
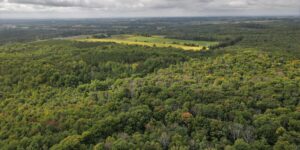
point(121, 92)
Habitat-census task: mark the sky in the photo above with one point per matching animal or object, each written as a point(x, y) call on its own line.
point(24, 9)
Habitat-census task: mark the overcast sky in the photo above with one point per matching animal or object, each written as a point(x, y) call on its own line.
point(145, 8)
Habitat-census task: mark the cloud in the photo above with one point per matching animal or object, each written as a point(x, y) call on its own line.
point(64, 3)
point(108, 8)
point(112, 4)
point(157, 3)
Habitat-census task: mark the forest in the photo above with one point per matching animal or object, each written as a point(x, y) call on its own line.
point(62, 94)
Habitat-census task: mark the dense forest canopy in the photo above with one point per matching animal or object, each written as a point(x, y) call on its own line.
point(63, 94)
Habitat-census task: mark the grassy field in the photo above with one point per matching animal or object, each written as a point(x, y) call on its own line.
point(158, 41)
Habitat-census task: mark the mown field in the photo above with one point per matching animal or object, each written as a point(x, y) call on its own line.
point(153, 41)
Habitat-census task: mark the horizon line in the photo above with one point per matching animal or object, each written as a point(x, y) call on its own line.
point(149, 17)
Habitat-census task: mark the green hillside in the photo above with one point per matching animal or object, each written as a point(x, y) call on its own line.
point(61, 94)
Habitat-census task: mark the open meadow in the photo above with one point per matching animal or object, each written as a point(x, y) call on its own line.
point(153, 41)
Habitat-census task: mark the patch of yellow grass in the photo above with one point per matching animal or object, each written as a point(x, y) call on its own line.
point(127, 42)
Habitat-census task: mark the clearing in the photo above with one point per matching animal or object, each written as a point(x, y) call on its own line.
point(153, 41)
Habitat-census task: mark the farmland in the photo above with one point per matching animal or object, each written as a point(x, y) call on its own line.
point(153, 41)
